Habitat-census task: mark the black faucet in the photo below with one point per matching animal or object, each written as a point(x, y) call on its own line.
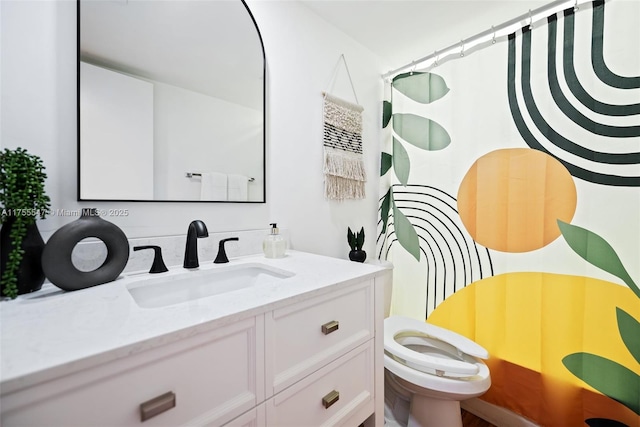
point(221, 258)
point(196, 230)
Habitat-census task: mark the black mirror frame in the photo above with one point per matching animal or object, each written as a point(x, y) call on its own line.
point(264, 124)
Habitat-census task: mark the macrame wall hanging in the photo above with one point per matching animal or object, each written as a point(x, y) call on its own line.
point(344, 170)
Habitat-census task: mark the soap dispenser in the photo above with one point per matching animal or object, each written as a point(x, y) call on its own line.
point(274, 244)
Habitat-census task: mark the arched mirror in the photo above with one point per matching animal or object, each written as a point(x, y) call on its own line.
point(171, 101)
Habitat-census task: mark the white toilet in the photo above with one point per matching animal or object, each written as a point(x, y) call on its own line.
point(428, 371)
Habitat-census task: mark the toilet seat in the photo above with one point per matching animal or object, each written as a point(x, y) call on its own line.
point(414, 332)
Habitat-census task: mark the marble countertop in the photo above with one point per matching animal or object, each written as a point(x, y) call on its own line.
point(52, 333)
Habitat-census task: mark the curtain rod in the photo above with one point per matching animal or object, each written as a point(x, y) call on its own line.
point(498, 31)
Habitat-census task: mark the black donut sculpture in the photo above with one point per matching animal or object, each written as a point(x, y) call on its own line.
point(56, 257)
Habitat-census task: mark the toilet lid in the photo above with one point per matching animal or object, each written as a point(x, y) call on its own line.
point(397, 325)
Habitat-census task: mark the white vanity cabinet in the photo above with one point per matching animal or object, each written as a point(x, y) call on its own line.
point(313, 357)
point(213, 377)
point(341, 393)
point(319, 358)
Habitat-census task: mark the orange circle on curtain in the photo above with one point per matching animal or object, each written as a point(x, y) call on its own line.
point(510, 199)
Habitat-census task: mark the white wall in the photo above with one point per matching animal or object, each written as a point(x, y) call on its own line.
point(38, 88)
point(302, 54)
point(199, 133)
point(117, 128)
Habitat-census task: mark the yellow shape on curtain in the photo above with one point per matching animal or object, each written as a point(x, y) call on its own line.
point(529, 322)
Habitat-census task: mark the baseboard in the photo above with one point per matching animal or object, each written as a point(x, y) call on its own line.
point(496, 415)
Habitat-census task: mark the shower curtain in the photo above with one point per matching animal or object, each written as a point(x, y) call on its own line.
point(510, 207)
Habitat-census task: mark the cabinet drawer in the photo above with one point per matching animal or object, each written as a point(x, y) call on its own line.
point(215, 376)
point(256, 417)
point(306, 336)
point(350, 378)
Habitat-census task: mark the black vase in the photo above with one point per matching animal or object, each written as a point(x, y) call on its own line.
point(56, 257)
point(357, 255)
point(30, 274)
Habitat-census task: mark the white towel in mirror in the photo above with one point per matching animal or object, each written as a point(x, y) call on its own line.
point(238, 188)
point(213, 186)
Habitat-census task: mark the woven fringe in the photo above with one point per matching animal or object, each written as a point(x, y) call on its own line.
point(344, 164)
point(338, 188)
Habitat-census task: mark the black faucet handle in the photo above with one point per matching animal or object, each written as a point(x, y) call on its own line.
point(158, 264)
point(221, 258)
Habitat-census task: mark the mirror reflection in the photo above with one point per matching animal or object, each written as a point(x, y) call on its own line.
point(171, 101)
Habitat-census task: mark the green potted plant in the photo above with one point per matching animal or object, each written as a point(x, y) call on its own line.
point(355, 242)
point(23, 199)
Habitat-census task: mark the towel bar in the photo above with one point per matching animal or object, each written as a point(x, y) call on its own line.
point(192, 174)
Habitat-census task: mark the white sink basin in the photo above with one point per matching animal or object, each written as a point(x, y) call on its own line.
point(177, 287)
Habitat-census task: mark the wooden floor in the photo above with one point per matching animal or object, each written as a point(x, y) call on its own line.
point(470, 420)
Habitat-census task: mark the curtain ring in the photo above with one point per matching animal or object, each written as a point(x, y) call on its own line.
point(435, 61)
point(461, 48)
point(530, 20)
point(493, 39)
point(575, 6)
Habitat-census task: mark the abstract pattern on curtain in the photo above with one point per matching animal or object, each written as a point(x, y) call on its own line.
point(512, 213)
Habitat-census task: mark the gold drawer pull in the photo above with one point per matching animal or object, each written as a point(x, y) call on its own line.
point(330, 399)
point(327, 328)
point(157, 405)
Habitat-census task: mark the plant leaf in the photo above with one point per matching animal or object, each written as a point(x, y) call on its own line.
point(406, 233)
point(421, 132)
point(596, 251)
point(608, 377)
point(421, 87)
point(603, 422)
point(384, 210)
point(386, 161)
point(401, 162)
point(629, 331)
point(360, 238)
point(386, 113)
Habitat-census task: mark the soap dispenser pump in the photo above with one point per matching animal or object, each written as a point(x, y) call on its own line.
point(274, 245)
